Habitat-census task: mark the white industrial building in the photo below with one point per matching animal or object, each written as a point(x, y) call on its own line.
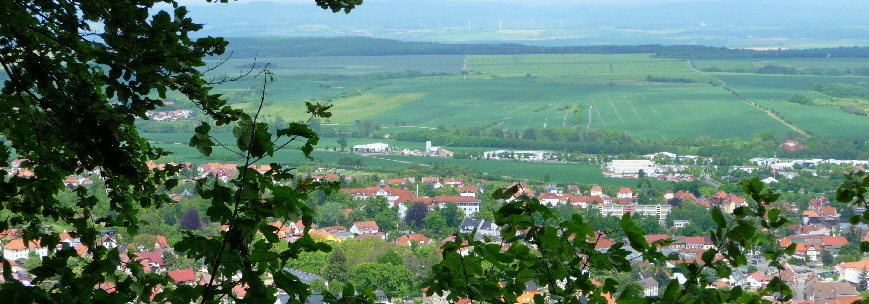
point(377, 147)
point(629, 166)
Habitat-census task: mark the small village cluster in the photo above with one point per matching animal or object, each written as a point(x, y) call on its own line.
point(171, 115)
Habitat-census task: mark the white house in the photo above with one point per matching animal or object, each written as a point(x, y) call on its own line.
point(625, 192)
point(756, 280)
point(549, 199)
point(468, 204)
point(16, 249)
point(596, 191)
point(368, 227)
point(851, 271)
point(650, 287)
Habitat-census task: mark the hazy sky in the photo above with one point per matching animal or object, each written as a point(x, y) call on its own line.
point(203, 2)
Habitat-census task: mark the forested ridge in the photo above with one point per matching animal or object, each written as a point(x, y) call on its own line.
point(363, 46)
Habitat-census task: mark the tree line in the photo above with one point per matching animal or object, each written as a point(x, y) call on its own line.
point(731, 151)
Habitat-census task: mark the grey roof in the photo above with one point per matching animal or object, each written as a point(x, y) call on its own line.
point(315, 299)
point(312, 299)
point(470, 222)
point(648, 282)
point(737, 275)
point(305, 277)
point(380, 294)
point(487, 225)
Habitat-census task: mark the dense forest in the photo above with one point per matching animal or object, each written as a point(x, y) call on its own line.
point(362, 46)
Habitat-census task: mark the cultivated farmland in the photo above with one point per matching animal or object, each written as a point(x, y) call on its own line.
point(772, 92)
point(612, 91)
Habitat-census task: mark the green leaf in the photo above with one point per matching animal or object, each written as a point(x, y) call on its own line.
point(170, 183)
point(718, 217)
point(636, 236)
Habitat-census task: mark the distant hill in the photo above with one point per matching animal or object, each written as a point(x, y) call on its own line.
point(363, 46)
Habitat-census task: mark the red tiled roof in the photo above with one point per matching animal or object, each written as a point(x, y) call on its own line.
point(152, 256)
point(834, 240)
point(366, 226)
point(845, 300)
point(547, 195)
point(861, 264)
point(415, 238)
point(654, 237)
point(469, 189)
point(183, 275)
point(17, 244)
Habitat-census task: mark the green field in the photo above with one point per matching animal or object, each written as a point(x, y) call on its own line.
point(514, 103)
point(558, 172)
point(612, 90)
point(609, 67)
point(772, 92)
point(727, 65)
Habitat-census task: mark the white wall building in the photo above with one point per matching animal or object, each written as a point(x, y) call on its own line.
point(15, 249)
point(660, 211)
point(629, 166)
point(376, 147)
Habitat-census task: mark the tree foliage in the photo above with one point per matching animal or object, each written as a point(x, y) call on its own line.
point(565, 259)
point(79, 74)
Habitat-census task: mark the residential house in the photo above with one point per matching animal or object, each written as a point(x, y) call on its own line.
point(813, 252)
point(685, 195)
point(183, 276)
point(757, 280)
point(454, 182)
point(469, 191)
point(596, 191)
point(16, 249)
point(826, 292)
point(413, 239)
point(549, 199)
point(851, 271)
point(434, 181)
point(483, 227)
point(394, 196)
point(625, 192)
point(582, 201)
point(737, 278)
point(470, 205)
point(323, 236)
point(151, 260)
point(527, 295)
point(810, 217)
point(650, 287)
point(382, 297)
point(368, 227)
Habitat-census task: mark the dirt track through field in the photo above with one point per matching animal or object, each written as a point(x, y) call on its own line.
point(768, 112)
